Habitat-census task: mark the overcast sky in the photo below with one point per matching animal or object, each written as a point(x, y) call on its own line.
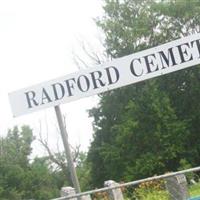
point(37, 39)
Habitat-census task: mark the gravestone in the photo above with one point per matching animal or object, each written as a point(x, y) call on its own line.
point(177, 187)
point(67, 191)
point(70, 191)
point(114, 194)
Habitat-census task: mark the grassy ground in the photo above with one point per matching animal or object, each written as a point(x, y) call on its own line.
point(153, 195)
point(194, 191)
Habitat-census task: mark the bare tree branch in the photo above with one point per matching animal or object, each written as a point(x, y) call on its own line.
point(95, 57)
point(79, 62)
point(58, 158)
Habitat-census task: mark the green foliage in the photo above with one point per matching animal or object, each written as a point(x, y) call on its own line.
point(151, 190)
point(16, 147)
point(150, 127)
point(151, 194)
point(20, 179)
point(14, 151)
point(194, 190)
point(40, 178)
point(83, 172)
point(184, 164)
point(154, 194)
point(39, 182)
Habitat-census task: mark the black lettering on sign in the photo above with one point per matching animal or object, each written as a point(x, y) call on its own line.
point(111, 79)
point(165, 60)
point(133, 69)
point(70, 86)
point(45, 97)
point(150, 62)
point(83, 79)
point(184, 52)
point(56, 87)
point(30, 97)
point(197, 44)
point(96, 78)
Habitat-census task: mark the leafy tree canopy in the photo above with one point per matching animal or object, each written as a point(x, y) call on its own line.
point(20, 178)
point(150, 127)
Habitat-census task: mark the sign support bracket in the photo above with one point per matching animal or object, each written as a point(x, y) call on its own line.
point(67, 149)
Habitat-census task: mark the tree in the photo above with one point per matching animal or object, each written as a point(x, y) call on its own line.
point(146, 128)
point(20, 178)
point(14, 151)
point(16, 147)
point(41, 181)
point(59, 161)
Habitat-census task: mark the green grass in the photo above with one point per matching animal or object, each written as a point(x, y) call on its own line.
point(195, 190)
point(153, 195)
point(142, 194)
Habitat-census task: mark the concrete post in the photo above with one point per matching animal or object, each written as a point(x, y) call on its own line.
point(69, 191)
point(114, 194)
point(177, 187)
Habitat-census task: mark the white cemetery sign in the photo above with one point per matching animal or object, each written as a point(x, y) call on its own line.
point(153, 62)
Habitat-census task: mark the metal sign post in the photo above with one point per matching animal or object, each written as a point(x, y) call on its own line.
point(67, 149)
